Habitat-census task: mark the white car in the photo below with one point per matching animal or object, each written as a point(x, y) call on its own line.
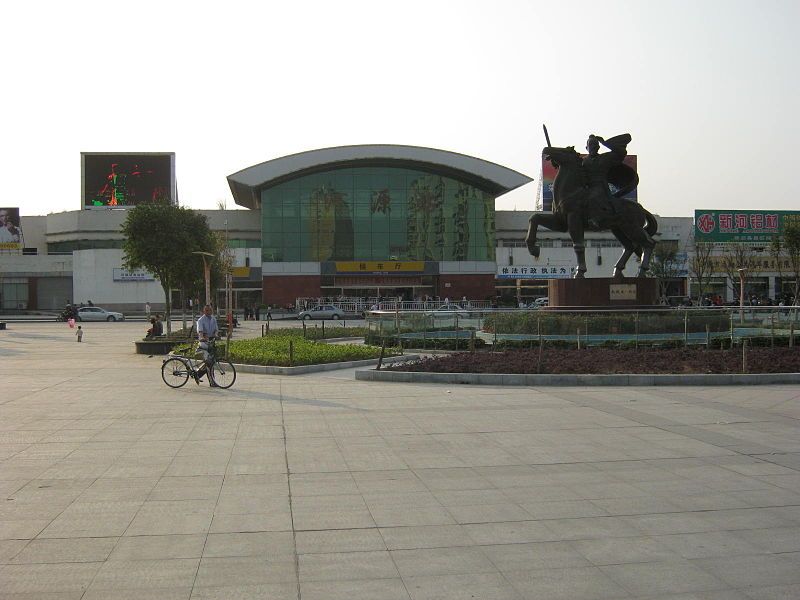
point(539, 303)
point(323, 311)
point(95, 313)
point(448, 310)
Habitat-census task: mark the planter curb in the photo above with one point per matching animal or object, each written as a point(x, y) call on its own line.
point(621, 380)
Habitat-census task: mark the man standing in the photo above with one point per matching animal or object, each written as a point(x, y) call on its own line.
point(147, 310)
point(206, 331)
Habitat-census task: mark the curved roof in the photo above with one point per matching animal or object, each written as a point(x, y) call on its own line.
point(487, 176)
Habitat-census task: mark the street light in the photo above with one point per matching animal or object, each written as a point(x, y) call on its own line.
point(742, 273)
point(206, 273)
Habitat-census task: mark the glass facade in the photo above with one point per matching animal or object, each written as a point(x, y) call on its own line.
point(376, 213)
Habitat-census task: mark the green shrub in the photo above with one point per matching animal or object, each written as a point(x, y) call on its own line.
point(273, 350)
point(552, 323)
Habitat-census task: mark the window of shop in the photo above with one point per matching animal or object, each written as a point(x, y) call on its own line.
point(13, 293)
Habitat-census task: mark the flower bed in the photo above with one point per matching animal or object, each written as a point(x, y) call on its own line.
point(611, 360)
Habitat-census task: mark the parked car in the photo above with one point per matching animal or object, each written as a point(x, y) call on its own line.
point(95, 313)
point(539, 303)
point(323, 311)
point(448, 310)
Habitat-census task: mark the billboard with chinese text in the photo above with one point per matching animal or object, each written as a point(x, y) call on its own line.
point(549, 176)
point(125, 179)
point(750, 226)
point(535, 272)
point(11, 237)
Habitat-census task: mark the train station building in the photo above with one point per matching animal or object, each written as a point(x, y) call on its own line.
point(376, 220)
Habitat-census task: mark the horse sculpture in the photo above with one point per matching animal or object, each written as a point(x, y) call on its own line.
point(630, 223)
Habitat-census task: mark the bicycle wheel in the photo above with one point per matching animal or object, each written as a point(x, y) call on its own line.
point(223, 373)
point(175, 372)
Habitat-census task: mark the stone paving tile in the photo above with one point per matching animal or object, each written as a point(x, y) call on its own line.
point(571, 583)
point(272, 591)
point(265, 543)
point(181, 593)
point(441, 561)
point(156, 547)
point(275, 521)
point(430, 536)
point(47, 578)
point(774, 592)
point(338, 566)
point(675, 576)
point(323, 484)
point(477, 586)
point(340, 540)
point(539, 555)
point(708, 544)
point(626, 550)
point(43, 596)
point(10, 548)
point(66, 550)
point(359, 589)
point(245, 571)
point(752, 570)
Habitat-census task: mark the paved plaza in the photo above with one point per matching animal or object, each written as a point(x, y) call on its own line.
point(318, 487)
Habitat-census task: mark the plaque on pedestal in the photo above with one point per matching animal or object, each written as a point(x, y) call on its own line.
point(603, 292)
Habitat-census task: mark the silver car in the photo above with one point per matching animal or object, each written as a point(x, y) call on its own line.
point(323, 311)
point(448, 310)
point(95, 313)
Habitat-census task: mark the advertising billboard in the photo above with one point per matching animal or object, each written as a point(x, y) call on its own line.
point(124, 179)
point(11, 237)
point(549, 176)
point(749, 226)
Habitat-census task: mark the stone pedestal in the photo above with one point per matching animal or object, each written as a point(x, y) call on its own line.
point(603, 292)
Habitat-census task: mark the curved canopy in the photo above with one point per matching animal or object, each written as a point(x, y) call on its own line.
point(487, 176)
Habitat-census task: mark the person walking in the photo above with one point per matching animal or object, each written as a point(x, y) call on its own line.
point(147, 310)
point(79, 334)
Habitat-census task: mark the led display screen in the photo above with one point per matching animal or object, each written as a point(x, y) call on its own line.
point(121, 180)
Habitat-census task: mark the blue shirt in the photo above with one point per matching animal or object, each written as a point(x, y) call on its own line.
point(207, 325)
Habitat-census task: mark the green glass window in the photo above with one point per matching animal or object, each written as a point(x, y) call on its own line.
point(376, 213)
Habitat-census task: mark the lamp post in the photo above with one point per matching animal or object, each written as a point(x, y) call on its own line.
point(742, 273)
point(206, 273)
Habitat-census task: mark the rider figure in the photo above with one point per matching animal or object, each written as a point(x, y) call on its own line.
point(596, 168)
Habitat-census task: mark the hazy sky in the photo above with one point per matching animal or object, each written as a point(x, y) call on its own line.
point(709, 90)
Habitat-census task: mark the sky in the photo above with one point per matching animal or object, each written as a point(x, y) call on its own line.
point(709, 90)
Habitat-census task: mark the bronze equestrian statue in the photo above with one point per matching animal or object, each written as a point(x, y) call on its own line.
point(583, 200)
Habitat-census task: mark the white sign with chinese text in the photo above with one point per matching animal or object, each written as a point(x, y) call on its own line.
point(132, 275)
point(535, 272)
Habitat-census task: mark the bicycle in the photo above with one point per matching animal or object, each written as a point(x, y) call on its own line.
point(176, 370)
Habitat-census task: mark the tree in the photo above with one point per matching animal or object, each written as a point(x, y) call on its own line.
point(664, 265)
point(739, 256)
point(791, 250)
point(701, 265)
point(161, 238)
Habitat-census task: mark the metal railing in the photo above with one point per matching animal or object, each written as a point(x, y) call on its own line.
point(510, 327)
point(360, 305)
